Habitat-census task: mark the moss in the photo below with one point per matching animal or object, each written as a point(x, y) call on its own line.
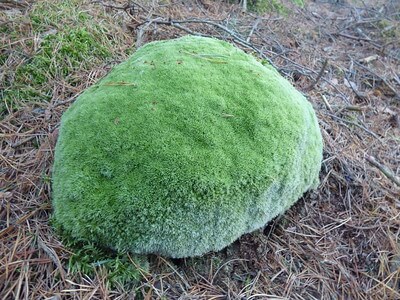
point(182, 149)
point(278, 6)
point(389, 29)
point(52, 44)
point(118, 268)
point(60, 14)
point(60, 54)
point(263, 6)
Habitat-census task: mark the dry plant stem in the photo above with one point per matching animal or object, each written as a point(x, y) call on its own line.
point(385, 170)
point(139, 35)
point(177, 273)
point(13, 4)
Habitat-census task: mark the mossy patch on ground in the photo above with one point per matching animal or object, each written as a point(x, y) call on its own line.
point(183, 148)
point(119, 268)
point(278, 6)
point(63, 42)
point(47, 51)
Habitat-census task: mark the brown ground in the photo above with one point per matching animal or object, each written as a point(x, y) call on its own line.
point(341, 241)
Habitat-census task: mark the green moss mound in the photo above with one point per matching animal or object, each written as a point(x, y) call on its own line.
point(182, 149)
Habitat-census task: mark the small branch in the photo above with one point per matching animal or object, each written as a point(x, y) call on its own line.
point(326, 103)
point(253, 28)
point(396, 93)
point(351, 108)
point(21, 142)
point(342, 95)
point(357, 125)
point(236, 38)
point(244, 5)
point(357, 38)
point(385, 170)
point(188, 30)
point(140, 33)
point(59, 103)
point(321, 72)
point(359, 94)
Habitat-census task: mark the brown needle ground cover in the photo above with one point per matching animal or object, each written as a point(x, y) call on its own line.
point(339, 242)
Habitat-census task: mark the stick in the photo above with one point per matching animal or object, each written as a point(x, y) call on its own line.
point(21, 142)
point(355, 124)
point(238, 39)
point(357, 38)
point(380, 77)
point(326, 103)
point(309, 70)
point(321, 72)
point(253, 28)
point(385, 170)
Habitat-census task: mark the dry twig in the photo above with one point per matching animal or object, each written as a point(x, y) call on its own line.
point(321, 72)
point(385, 170)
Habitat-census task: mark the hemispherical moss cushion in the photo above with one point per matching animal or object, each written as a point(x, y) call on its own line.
point(181, 149)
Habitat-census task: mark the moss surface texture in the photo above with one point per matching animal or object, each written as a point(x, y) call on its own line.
point(182, 149)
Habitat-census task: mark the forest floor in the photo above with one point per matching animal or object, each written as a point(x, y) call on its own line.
point(341, 241)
